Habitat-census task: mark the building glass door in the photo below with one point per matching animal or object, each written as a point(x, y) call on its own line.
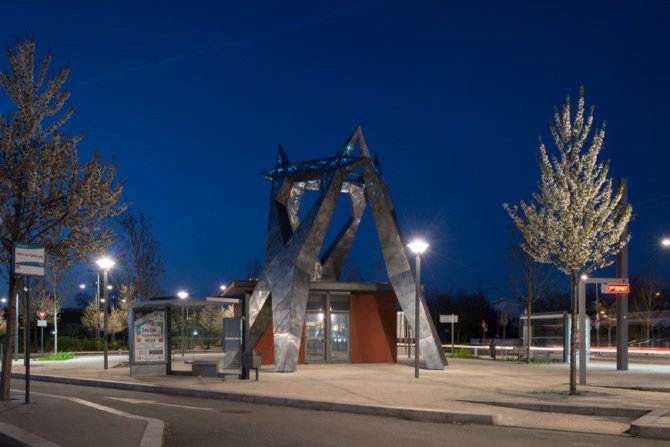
point(327, 328)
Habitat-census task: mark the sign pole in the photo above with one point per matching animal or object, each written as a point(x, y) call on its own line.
point(16, 330)
point(452, 333)
point(26, 338)
point(622, 299)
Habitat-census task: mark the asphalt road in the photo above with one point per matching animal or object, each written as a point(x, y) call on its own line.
point(205, 422)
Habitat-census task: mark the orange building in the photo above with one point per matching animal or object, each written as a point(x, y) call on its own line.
point(347, 322)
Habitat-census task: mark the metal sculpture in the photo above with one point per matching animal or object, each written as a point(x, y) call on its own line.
point(292, 246)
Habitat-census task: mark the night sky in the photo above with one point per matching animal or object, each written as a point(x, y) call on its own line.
point(191, 100)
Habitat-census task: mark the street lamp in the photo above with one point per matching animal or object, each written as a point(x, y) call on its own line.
point(182, 294)
point(665, 242)
point(222, 287)
point(418, 247)
point(105, 264)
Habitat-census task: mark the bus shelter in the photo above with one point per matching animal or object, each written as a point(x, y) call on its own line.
point(206, 337)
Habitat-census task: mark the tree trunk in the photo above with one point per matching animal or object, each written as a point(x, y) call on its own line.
point(8, 350)
point(573, 335)
point(529, 326)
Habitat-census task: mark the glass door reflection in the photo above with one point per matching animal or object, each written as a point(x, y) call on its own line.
point(339, 337)
point(315, 337)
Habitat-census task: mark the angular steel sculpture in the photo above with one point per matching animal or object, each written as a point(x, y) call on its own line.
point(292, 246)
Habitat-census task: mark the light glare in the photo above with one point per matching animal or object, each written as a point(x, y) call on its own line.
point(418, 246)
point(105, 263)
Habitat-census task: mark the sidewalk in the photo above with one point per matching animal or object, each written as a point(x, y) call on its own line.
point(511, 394)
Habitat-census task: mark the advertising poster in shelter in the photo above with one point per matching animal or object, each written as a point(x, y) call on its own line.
point(150, 336)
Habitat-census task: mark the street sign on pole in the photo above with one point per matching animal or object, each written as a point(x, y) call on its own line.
point(28, 259)
point(453, 318)
point(449, 318)
point(42, 314)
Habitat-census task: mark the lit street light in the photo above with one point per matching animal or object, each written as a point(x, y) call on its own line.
point(665, 242)
point(182, 294)
point(105, 264)
point(418, 247)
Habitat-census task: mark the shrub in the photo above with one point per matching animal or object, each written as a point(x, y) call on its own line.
point(462, 353)
point(59, 356)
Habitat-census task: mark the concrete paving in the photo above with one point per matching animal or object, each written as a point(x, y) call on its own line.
point(467, 391)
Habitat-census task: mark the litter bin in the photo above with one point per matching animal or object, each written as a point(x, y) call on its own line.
point(252, 360)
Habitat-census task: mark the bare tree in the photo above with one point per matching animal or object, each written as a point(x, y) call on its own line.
point(56, 269)
point(575, 222)
point(47, 197)
point(646, 300)
point(529, 279)
point(3, 322)
point(606, 314)
point(141, 265)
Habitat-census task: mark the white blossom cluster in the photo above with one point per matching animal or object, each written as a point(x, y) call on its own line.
point(575, 221)
point(47, 196)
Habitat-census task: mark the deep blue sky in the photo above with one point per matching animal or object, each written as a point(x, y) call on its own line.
point(191, 99)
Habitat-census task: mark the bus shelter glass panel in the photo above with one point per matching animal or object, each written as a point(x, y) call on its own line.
point(197, 334)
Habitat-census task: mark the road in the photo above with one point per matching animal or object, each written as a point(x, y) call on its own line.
point(71, 416)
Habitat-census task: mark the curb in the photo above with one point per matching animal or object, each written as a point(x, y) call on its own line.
point(569, 409)
point(645, 426)
point(414, 414)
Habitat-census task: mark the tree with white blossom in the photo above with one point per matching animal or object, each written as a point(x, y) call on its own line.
point(576, 221)
point(48, 196)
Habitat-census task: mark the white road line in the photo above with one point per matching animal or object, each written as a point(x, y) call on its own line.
point(153, 402)
point(153, 433)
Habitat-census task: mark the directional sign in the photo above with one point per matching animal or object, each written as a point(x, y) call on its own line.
point(615, 287)
point(449, 318)
point(28, 259)
point(42, 314)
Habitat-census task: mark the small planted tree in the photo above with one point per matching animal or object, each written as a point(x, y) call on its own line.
point(646, 301)
point(47, 196)
point(575, 221)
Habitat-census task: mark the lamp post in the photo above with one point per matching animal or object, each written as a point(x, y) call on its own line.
point(182, 294)
point(105, 264)
point(418, 247)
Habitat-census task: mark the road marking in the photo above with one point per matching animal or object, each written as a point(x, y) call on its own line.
point(153, 434)
point(153, 402)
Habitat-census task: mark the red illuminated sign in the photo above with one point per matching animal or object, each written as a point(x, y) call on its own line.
point(618, 288)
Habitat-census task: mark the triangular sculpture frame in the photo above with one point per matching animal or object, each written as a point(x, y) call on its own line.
point(293, 246)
